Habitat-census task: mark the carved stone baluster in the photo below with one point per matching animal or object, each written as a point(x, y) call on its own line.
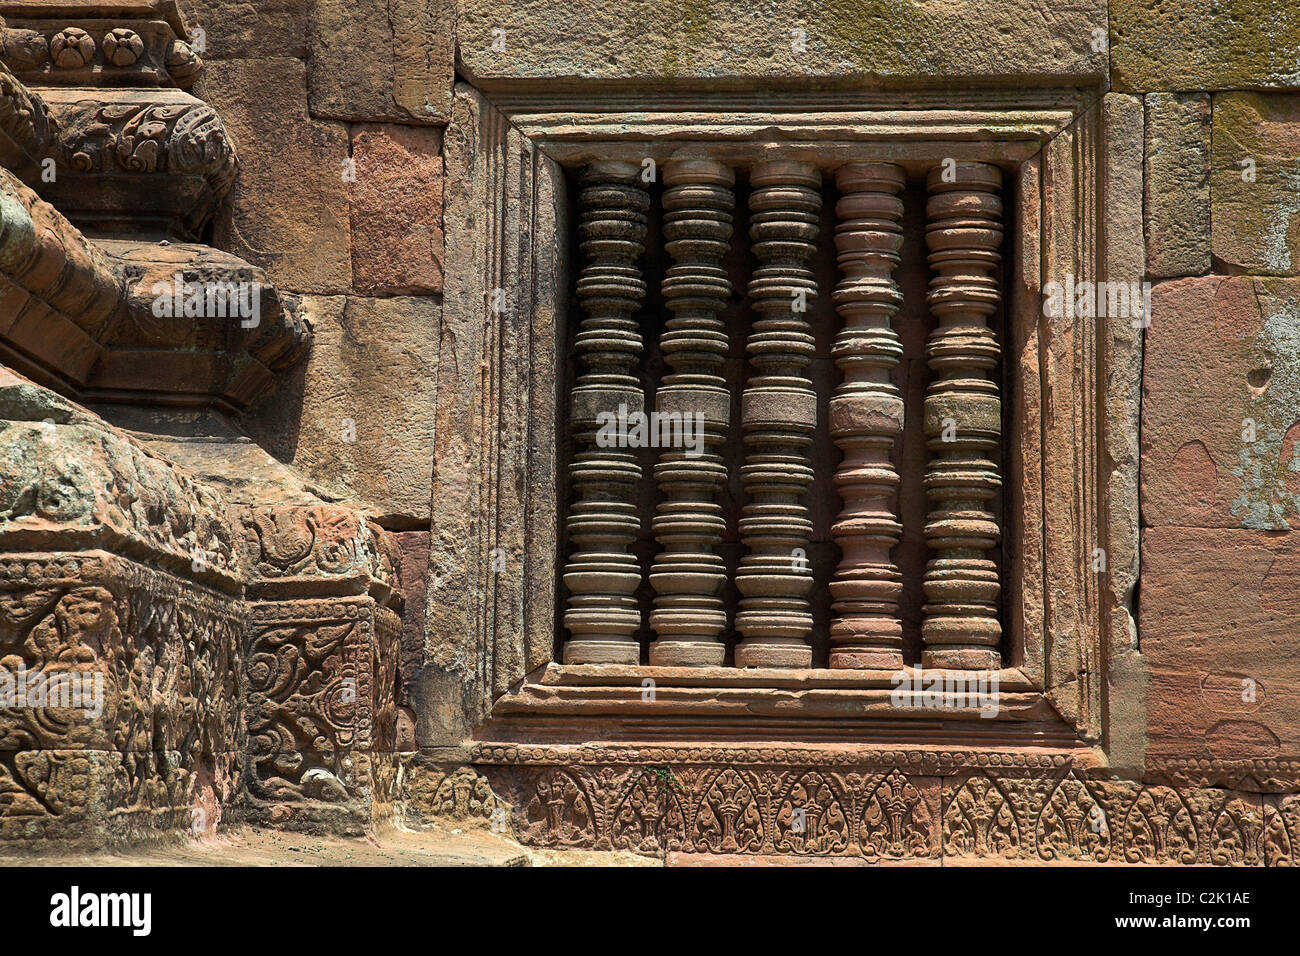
point(602, 574)
point(866, 418)
point(779, 411)
point(688, 576)
point(963, 419)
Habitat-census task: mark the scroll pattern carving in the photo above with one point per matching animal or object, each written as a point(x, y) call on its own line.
point(878, 812)
point(320, 706)
point(779, 409)
point(866, 418)
point(963, 418)
point(144, 135)
point(602, 574)
point(688, 574)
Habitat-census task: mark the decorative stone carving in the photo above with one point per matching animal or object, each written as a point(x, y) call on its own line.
point(120, 617)
point(866, 418)
point(779, 409)
point(321, 652)
point(28, 134)
point(428, 793)
point(72, 47)
point(108, 44)
point(688, 574)
point(111, 138)
point(963, 418)
point(320, 709)
point(93, 317)
point(122, 47)
point(958, 805)
point(602, 574)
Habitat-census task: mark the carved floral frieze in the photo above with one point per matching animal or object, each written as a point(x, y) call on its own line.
point(725, 801)
point(106, 51)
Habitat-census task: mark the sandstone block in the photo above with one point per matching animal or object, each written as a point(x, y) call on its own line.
point(395, 208)
point(878, 41)
point(289, 210)
point(357, 417)
point(1221, 404)
point(1204, 45)
point(383, 60)
point(1256, 182)
point(1177, 168)
point(1219, 614)
point(268, 28)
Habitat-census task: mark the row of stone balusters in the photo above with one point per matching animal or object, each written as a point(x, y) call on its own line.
point(778, 407)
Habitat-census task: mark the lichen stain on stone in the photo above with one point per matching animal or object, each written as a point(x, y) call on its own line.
point(876, 35)
point(688, 36)
point(1277, 246)
point(1268, 466)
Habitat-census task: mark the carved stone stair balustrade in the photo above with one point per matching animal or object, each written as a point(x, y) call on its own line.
point(779, 412)
point(602, 574)
point(866, 418)
point(963, 419)
point(688, 574)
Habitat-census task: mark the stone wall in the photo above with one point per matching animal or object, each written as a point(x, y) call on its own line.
point(1203, 97)
point(340, 112)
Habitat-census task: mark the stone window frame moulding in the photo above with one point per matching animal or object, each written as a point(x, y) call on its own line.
point(1068, 155)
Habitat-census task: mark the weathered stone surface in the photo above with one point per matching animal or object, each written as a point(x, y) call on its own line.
point(28, 133)
point(1255, 182)
point(357, 417)
point(383, 846)
point(382, 60)
point(1221, 404)
point(1177, 167)
point(267, 28)
point(395, 208)
point(1204, 45)
point(878, 41)
point(1219, 613)
point(289, 204)
point(92, 316)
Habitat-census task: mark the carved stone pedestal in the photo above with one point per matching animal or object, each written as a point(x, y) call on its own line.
point(320, 652)
point(120, 623)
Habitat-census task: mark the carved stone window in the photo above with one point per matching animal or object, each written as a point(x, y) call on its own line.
point(919, 239)
point(752, 398)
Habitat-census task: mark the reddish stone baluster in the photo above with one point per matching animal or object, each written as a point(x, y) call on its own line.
point(866, 418)
point(602, 574)
point(688, 575)
point(963, 419)
point(779, 411)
